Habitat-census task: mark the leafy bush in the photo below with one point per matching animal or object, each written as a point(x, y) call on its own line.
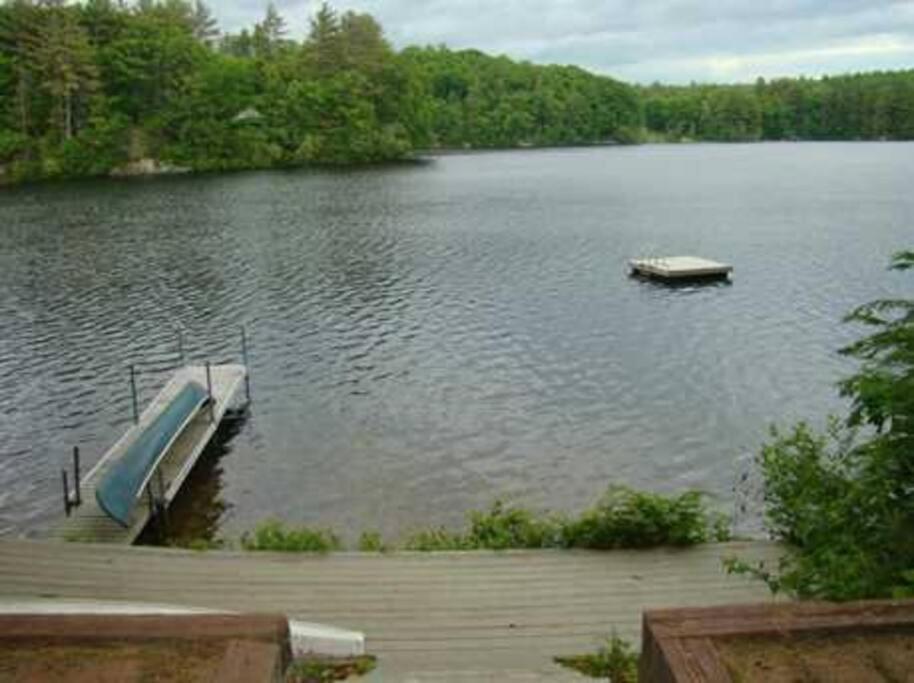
point(616, 661)
point(506, 527)
point(499, 528)
point(273, 535)
point(625, 518)
point(371, 542)
point(845, 503)
point(313, 669)
point(12, 144)
point(437, 539)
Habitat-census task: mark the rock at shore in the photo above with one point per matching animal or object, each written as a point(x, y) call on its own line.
point(145, 167)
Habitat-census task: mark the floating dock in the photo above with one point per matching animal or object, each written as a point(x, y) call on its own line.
point(86, 520)
point(674, 268)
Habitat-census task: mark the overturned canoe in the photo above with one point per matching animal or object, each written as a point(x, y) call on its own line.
point(125, 479)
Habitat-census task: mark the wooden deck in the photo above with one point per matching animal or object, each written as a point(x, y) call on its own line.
point(88, 522)
point(428, 616)
point(679, 268)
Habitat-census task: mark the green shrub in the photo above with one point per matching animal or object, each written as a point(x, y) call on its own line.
point(625, 518)
point(273, 535)
point(504, 527)
point(845, 503)
point(437, 539)
point(12, 144)
point(616, 661)
point(314, 669)
point(371, 542)
point(499, 528)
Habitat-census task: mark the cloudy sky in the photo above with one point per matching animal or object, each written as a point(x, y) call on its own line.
point(642, 40)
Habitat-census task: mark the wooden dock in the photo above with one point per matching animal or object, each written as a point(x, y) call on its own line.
point(88, 522)
point(471, 616)
point(679, 268)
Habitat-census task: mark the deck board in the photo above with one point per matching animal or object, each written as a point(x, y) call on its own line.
point(679, 268)
point(506, 611)
point(88, 522)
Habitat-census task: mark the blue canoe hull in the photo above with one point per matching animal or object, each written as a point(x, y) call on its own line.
point(122, 483)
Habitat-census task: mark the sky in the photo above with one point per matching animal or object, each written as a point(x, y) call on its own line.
point(671, 41)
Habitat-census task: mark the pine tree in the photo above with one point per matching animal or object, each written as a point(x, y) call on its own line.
point(269, 33)
point(325, 41)
point(62, 55)
point(205, 26)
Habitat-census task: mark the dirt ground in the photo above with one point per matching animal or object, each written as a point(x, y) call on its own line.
point(873, 658)
point(159, 662)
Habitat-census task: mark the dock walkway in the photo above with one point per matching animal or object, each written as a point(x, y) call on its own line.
point(427, 616)
point(88, 522)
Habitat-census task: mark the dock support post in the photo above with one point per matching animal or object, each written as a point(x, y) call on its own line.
point(136, 407)
point(79, 498)
point(162, 509)
point(66, 491)
point(209, 392)
point(247, 365)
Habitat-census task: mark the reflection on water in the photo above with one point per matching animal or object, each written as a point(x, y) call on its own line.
point(196, 513)
point(426, 338)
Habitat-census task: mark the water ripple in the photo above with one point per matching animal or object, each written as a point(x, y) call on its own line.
point(427, 338)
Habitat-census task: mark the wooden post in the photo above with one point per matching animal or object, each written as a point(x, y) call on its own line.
point(66, 491)
point(247, 365)
point(162, 509)
point(209, 392)
point(136, 407)
point(79, 498)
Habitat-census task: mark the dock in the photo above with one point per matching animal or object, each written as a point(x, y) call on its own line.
point(87, 522)
point(449, 616)
point(678, 268)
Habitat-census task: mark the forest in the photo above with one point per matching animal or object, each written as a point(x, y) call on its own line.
point(92, 88)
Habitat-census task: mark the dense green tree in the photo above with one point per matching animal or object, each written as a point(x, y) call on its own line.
point(269, 34)
point(205, 26)
point(854, 107)
point(92, 85)
point(61, 54)
point(845, 501)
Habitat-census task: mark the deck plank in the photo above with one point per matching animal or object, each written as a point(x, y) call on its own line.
point(496, 611)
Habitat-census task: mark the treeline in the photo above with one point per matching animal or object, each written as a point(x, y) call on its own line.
point(89, 87)
point(475, 100)
point(103, 85)
point(873, 106)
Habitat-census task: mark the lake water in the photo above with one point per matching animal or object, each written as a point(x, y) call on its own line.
point(428, 337)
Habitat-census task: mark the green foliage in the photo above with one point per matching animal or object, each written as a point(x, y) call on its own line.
point(625, 518)
point(75, 77)
point(499, 528)
point(616, 661)
point(870, 106)
point(313, 669)
point(12, 144)
point(475, 100)
point(371, 542)
point(272, 535)
point(845, 502)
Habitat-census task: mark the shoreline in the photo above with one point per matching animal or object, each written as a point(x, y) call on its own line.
point(148, 168)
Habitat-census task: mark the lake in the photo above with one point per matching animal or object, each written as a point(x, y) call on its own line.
point(426, 338)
